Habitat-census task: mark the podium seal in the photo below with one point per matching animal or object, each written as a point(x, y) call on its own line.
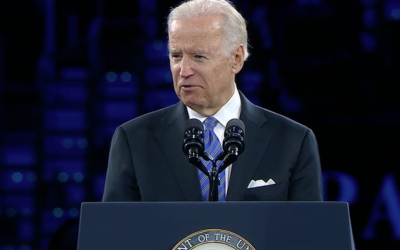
point(213, 239)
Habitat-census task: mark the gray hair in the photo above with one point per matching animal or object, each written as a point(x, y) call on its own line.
point(234, 27)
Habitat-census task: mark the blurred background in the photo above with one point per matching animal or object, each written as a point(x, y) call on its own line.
point(72, 71)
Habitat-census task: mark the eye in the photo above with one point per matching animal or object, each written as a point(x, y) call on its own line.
point(199, 57)
point(175, 56)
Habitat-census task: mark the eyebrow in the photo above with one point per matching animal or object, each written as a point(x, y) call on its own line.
point(201, 51)
point(196, 51)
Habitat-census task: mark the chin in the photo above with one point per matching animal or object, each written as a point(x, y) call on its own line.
point(190, 99)
point(193, 104)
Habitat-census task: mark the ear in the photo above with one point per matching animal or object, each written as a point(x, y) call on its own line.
point(238, 59)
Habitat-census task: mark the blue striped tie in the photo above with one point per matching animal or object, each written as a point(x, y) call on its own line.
point(213, 148)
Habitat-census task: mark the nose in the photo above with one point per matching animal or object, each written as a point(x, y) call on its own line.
point(186, 69)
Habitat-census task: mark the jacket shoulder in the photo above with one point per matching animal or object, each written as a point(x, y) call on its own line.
point(283, 121)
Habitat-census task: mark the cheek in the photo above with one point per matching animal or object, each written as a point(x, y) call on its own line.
point(221, 80)
point(219, 74)
point(174, 73)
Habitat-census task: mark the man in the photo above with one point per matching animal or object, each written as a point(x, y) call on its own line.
point(207, 48)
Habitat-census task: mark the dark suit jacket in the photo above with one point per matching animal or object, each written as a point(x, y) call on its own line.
point(146, 161)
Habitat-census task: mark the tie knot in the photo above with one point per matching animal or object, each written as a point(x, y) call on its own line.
point(210, 123)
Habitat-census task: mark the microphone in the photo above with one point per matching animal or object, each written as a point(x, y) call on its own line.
point(233, 143)
point(193, 143)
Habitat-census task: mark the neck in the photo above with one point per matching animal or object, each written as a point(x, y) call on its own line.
point(210, 111)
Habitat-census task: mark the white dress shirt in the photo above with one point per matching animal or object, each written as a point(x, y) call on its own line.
point(229, 111)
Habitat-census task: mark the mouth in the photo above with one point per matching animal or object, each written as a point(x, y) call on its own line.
point(188, 87)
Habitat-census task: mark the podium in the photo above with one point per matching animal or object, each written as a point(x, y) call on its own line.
point(215, 225)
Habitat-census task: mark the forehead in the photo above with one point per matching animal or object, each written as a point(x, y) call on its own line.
point(205, 33)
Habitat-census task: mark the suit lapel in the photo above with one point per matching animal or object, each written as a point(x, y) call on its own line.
point(256, 142)
point(170, 139)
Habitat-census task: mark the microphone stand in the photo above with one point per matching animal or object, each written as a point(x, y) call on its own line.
point(214, 182)
point(213, 177)
point(227, 159)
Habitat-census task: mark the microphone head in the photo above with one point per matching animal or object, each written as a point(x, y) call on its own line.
point(193, 136)
point(236, 125)
point(234, 135)
point(194, 123)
